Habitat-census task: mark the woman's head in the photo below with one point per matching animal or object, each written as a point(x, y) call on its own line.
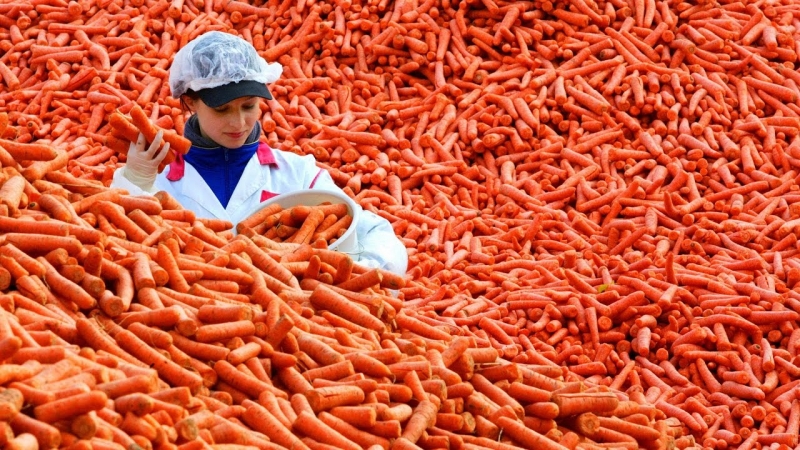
point(218, 74)
point(228, 124)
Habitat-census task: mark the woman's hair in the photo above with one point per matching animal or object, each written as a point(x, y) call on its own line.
point(192, 95)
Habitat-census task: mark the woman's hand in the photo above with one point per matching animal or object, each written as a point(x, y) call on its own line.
point(141, 167)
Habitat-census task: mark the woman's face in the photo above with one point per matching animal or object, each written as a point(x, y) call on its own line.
point(228, 125)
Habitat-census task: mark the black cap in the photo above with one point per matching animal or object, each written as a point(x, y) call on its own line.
point(218, 96)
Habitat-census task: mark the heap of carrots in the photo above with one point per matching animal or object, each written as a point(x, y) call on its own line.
point(301, 224)
point(598, 200)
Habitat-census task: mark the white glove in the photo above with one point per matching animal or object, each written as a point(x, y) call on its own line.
point(141, 167)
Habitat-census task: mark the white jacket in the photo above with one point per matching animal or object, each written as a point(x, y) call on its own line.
point(269, 173)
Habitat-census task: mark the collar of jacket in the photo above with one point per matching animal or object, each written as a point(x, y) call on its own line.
point(192, 132)
point(177, 168)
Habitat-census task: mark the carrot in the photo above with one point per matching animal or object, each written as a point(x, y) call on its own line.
point(423, 417)
point(154, 336)
point(526, 436)
point(205, 352)
point(239, 380)
point(29, 151)
point(474, 133)
point(211, 272)
point(224, 313)
point(313, 427)
point(23, 441)
point(258, 217)
point(267, 264)
point(571, 404)
point(685, 417)
point(34, 243)
point(166, 260)
point(355, 415)
point(140, 120)
point(417, 326)
point(244, 353)
point(364, 363)
point(326, 398)
point(351, 432)
point(70, 407)
point(325, 298)
point(68, 289)
point(11, 192)
point(167, 368)
point(12, 401)
point(332, 372)
point(309, 226)
point(258, 418)
point(224, 331)
point(137, 403)
point(134, 384)
point(639, 432)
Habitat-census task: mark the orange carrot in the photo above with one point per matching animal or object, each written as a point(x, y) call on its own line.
point(260, 419)
point(571, 404)
point(167, 368)
point(68, 289)
point(29, 151)
point(224, 331)
point(70, 407)
point(325, 298)
point(32, 243)
point(248, 384)
point(309, 226)
point(313, 427)
point(140, 120)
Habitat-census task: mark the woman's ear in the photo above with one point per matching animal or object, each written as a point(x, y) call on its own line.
point(189, 102)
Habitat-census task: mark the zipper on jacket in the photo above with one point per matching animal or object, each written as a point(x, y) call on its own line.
point(227, 177)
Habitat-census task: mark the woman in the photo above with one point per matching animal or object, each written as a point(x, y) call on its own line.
point(228, 172)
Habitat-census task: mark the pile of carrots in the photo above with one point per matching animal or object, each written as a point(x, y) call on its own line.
point(598, 199)
point(299, 224)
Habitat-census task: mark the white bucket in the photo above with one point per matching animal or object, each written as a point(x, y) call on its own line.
point(348, 242)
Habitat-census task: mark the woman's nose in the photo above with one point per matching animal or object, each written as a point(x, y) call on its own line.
point(237, 118)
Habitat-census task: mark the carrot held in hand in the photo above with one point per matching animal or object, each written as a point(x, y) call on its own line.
point(123, 126)
point(140, 120)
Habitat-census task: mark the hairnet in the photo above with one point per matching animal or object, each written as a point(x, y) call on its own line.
point(217, 58)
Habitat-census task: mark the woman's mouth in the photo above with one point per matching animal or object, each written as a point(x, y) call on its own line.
point(235, 135)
